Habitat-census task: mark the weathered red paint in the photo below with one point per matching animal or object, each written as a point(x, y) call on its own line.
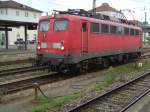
point(72, 37)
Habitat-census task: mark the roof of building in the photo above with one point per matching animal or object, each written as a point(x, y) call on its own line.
point(16, 5)
point(106, 7)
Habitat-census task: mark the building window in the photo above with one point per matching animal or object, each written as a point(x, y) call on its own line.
point(17, 13)
point(95, 28)
point(6, 11)
point(28, 37)
point(34, 36)
point(2, 39)
point(2, 11)
point(18, 35)
point(34, 15)
point(26, 14)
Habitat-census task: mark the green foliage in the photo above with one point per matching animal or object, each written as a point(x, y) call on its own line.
point(109, 79)
point(119, 74)
point(55, 102)
point(112, 75)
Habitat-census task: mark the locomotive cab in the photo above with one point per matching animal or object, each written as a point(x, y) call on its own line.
point(53, 47)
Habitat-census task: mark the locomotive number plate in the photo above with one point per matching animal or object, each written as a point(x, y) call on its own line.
point(43, 45)
point(56, 45)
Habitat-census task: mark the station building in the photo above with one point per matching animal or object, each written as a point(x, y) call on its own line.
point(14, 17)
point(106, 9)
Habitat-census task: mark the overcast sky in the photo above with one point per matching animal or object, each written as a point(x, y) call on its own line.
point(136, 5)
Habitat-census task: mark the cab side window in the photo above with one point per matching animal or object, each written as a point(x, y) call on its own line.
point(137, 32)
point(113, 29)
point(126, 31)
point(95, 28)
point(104, 29)
point(120, 30)
point(132, 32)
point(84, 26)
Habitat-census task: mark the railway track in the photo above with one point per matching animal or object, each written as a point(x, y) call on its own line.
point(20, 70)
point(16, 86)
point(115, 100)
point(31, 68)
point(28, 83)
point(144, 56)
point(11, 62)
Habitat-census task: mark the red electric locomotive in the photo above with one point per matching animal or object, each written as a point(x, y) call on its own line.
point(74, 42)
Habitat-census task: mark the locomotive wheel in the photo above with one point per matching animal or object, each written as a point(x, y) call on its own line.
point(125, 59)
point(81, 67)
point(62, 69)
point(84, 66)
point(35, 63)
point(76, 69)
point(105, 63)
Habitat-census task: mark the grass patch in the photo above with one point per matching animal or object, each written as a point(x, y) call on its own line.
point(55, 102)
point(113, 74)
point(109, 79)
point(119, 73)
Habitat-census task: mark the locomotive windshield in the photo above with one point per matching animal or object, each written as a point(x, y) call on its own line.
point(60, 25)
point(44, 26)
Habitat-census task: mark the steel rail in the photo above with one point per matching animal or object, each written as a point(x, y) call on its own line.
point(11, 62)
point(21, 70)
point(14, 87)
point(136, 100)
point(79, 106)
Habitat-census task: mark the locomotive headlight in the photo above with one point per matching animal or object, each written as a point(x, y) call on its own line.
point(38, 47)
point(62, 48)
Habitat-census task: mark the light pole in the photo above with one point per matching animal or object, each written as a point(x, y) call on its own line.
point(94, 7)
point(145, 22)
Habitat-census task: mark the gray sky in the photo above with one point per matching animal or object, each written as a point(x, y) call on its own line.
point(136, 5)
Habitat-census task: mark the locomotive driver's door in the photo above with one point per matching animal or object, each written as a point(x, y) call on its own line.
point(84, 37)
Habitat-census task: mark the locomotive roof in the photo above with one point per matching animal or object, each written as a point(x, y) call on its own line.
point(75, 17)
